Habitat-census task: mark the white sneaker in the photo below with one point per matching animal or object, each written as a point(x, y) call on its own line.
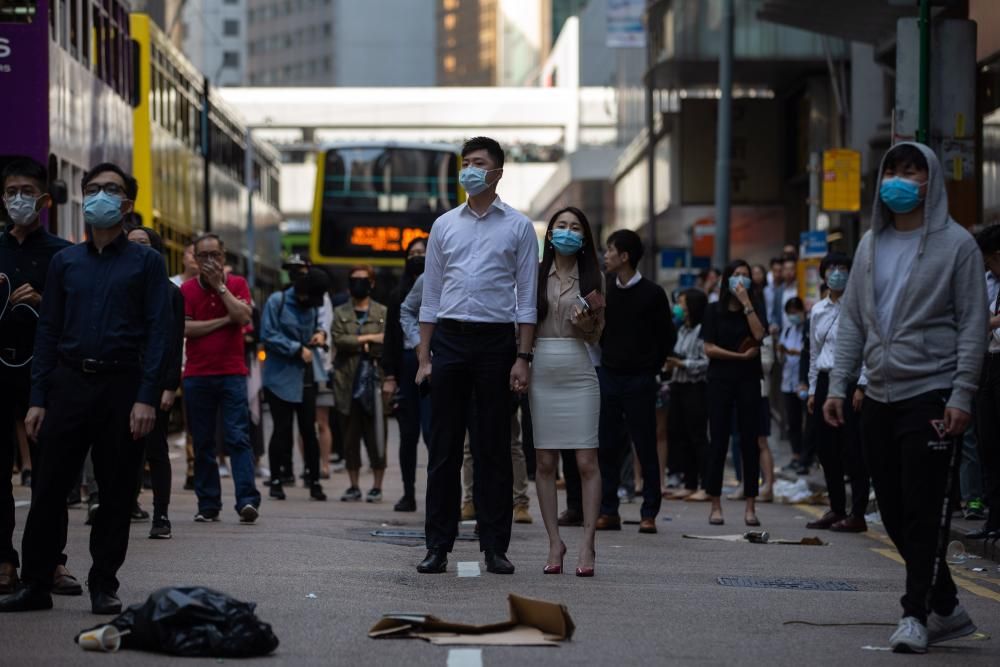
point(910, 636)
point(223, 471)
point(945, 628)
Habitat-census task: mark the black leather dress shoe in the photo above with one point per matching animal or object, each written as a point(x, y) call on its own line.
point(29, 598)
point(105, 603)
point(984, 533)
point(435, 562)
point(497, 563)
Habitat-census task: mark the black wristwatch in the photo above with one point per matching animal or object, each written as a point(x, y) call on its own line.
point(527, 356)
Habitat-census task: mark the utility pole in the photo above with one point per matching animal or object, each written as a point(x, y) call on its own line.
point(251, 251)
point(923, 117)
point(723, 140)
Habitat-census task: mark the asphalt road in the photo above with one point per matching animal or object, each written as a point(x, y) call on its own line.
point(322, 581)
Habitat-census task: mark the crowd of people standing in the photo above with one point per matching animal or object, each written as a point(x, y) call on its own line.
point(614, 390)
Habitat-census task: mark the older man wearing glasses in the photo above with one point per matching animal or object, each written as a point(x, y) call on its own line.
point(216, 308)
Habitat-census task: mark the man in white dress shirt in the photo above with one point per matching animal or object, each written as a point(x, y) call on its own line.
point(480, 281)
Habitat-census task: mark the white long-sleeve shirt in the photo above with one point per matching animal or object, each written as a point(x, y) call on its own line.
point(823, 322)
point(992, 288)
point(481, 268)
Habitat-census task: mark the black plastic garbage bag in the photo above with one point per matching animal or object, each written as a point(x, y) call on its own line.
point(195, 621)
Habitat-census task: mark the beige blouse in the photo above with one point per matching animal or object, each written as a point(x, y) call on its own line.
point(562, 292)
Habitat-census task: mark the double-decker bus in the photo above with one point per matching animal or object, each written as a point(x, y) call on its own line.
point(190, 160)
point(68, 79)
point(373, 198)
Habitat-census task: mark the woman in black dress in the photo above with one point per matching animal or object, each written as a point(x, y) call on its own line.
point(733, 330)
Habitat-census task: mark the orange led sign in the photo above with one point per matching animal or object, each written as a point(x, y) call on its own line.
point(385, 239)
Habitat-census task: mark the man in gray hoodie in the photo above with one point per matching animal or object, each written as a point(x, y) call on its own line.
point(913, 312)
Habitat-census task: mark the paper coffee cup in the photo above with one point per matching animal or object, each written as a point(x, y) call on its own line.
point(106, 638)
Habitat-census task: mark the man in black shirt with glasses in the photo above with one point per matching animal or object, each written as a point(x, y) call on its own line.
point(101, 338)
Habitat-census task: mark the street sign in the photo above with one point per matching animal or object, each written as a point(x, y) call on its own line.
point(841, 180)
point(673, 258)
point(812, 244)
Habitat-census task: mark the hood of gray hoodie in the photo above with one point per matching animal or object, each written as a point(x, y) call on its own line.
point(937, 335)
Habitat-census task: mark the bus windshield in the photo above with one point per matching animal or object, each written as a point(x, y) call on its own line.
point(376, 199)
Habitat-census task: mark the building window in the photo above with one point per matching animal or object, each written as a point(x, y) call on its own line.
point(231, 59)
point(449, 63)
point(450, 5)
point(450, 21)
point(231, 28)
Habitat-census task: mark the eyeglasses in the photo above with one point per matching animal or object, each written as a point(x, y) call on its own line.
point(112, 189)
point(24, 191)
point(209, 255)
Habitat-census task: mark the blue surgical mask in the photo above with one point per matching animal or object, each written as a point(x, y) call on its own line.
point(901, 195)
point(566, 242)
point(738, 280)
point(102, 210)
point(473, 179)
point(837, 280)
point(795, 319)
point(678, 311)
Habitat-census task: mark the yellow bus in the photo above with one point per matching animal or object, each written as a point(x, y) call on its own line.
point(373, 198)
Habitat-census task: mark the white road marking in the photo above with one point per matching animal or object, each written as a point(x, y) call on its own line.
point(468, 569)
point(465, 657)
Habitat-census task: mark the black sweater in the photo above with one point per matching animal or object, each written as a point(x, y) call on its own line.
point(638, 330)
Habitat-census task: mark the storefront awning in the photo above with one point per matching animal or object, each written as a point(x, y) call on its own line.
point(870, 21)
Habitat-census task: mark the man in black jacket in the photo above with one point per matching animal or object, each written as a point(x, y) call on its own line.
point(638, 335)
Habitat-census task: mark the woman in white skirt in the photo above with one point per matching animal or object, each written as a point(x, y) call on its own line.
point(565, 395)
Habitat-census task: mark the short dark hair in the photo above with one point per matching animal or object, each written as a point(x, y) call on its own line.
point(777, 260)
point(155, 242)
point(625, 240)
point(204, 236)
point(904, 155)
point(833, 259)
point(26, 167)
point(795, 303)
point(988, 239)
point(491, 146)
point(131, 185)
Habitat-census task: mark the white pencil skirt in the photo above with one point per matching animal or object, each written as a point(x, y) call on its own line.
point(565, 396)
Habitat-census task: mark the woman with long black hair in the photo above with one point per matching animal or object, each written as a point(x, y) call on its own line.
point(399, 362)
point(565, 396)
point(733, 330)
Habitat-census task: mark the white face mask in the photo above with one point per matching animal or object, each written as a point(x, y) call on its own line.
point(21, 209)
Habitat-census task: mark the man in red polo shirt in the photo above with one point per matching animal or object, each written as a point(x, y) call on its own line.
point(216, 308)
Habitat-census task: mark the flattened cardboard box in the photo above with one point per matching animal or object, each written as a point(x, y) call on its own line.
point(532, 623)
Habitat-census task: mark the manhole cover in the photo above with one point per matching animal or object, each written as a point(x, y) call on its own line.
point(413, 534)
point(788, 583)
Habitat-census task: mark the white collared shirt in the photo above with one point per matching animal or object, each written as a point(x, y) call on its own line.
point(823, 321)
point(631, 283)
point(481, 268)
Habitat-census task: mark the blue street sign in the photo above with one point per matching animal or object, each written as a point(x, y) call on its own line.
point(812, 244)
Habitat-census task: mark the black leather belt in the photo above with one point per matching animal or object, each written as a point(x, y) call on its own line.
point(98, 367)
point(461, 327)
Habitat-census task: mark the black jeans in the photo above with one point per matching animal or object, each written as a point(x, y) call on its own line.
point(988, 426)
point(414, 416)
point(280, 447)
point(793, 415)
point(912, 468)
point(688, 429)
point(743, 396)
point(628, 402)
point(83, 412)
point(157, 454)
point(16, 383)
point(471, 370)
point(840, 449)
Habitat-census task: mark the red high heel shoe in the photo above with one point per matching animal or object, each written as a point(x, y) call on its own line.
point(556, 569)
point(586, 571)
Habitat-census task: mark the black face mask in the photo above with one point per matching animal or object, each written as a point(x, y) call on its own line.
point(360, 287)
point(415, 265)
